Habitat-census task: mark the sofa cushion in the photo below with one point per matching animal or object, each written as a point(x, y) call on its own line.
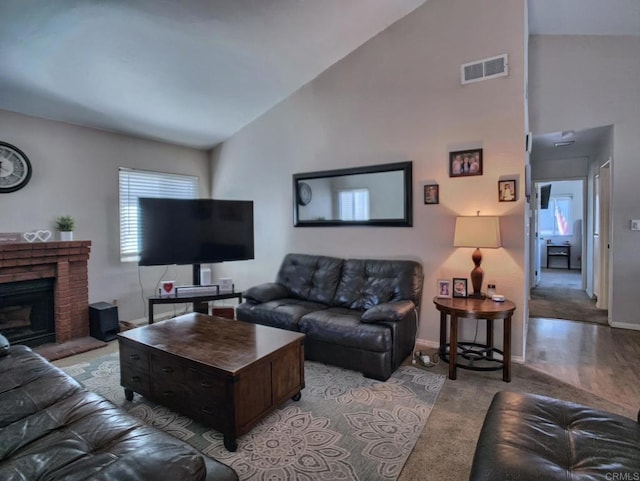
point(366, 282)
point(52, 428)
point(28, 384)
point(281, 313)
point(84, 437)
point(309, 277)
point(342, 327)
point(388, 311)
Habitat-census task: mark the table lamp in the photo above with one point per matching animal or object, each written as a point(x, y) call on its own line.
point(477, 231)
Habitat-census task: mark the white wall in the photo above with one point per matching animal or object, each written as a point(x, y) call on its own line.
point(75, 171)
point(589, 81)
point(396, 98)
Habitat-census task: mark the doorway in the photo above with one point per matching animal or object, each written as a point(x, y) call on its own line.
point(559, 290)
point(568, 206)
point(560, 212)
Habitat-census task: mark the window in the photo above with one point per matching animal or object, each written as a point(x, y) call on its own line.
point(557, 219)
point(139, 183)
point(353, 204)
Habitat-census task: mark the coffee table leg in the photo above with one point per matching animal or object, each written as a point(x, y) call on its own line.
point(230, 443)
point(296, 397)
point(128, 394)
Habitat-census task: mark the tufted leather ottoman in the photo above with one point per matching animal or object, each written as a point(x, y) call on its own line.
point(530, 437)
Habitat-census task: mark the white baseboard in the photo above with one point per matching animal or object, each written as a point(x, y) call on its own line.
point(426, 342)
point(143, 321)
point(625, 325)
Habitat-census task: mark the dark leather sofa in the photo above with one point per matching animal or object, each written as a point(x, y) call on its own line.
point(51, 429)
point(360, 314)
point(531, 437)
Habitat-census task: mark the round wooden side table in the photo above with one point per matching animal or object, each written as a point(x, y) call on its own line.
point(473, 355)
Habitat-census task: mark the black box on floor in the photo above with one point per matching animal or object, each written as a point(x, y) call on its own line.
point(103, 321)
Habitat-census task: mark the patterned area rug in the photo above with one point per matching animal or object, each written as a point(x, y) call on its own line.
point(345, 427)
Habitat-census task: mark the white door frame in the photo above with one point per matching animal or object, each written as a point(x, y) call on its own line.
point(604, 212)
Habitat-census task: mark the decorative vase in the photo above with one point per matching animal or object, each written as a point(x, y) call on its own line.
point(66, 235)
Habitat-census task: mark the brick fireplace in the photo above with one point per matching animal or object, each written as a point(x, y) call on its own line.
point(66, 263)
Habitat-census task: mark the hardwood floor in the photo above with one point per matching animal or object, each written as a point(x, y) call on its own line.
point(594, 357)
point(599, 359)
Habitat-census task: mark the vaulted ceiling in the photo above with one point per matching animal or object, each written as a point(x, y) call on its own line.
point(194, 72)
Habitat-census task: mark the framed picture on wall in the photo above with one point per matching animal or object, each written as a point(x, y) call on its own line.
point(507, 190)
point(465, 163)
point(431, 194)
point(459, 287)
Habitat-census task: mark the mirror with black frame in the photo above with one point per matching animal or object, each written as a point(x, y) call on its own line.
point(375, 195)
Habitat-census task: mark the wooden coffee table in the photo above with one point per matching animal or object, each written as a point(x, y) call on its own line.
point(224, 373)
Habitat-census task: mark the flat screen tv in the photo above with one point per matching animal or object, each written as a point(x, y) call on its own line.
point(545, 195)
point(194, 231)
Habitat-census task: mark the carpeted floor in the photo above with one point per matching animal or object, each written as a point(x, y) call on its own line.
point(445, 447)
point(345, 426)
point(560, 296)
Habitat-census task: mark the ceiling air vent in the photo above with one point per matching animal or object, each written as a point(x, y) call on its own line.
point(484, 69)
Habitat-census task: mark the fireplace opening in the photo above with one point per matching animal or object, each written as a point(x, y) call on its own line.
point(27, 311)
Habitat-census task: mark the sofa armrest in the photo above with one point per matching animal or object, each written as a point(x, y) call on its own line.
point(265, 292)
point(388, 311)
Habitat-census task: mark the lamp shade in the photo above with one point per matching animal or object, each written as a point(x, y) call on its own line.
point(477, 231)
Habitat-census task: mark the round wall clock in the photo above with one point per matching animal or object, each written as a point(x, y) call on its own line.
point(304, 193)
point(15, 168)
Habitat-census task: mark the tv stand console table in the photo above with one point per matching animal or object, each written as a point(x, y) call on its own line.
point(559, 250)
point(199, 300)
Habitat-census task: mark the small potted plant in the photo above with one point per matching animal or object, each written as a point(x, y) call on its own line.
point(65, 225)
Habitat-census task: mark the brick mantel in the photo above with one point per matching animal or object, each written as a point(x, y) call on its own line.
point(64, 261)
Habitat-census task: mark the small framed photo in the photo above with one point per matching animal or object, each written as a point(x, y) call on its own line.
point(459, 287)
point(465, 163)
point(431, 194)
point(444, 288)
point(507, 190)
point(167, 288)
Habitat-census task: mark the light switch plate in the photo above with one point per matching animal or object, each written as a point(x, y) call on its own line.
point(635, 224)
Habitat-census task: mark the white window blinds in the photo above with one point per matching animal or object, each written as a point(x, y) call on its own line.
point(139, 183)
point(353, 204)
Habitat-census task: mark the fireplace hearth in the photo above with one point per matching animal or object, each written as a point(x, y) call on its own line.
point(45, 283)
